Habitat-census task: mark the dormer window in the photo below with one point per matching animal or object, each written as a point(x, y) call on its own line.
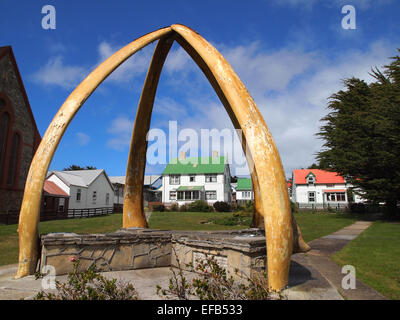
point(310, 179)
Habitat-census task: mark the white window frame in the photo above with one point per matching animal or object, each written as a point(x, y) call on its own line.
point(214, 195)
point(314, 196)
point(174, 179)
point(173, 197)
point(78, 192)
point(94, 197)
point(211, 178)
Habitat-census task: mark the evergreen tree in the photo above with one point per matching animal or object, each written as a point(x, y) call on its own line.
point(362, 135)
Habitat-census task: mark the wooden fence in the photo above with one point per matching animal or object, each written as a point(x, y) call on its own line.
point(12, 217)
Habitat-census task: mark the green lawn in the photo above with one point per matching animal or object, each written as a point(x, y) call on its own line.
point(319, 224)
point(9, 235)
point(376, 256)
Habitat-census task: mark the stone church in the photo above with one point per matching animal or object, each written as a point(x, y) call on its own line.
point(19, 136)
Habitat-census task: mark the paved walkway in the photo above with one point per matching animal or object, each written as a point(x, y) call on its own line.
point(313, 275)
point(318, 259)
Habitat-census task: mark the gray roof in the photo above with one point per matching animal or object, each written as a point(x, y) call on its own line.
point(148, 180)
point(80, 178)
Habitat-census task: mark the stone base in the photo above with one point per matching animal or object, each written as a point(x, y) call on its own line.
point(241, 252)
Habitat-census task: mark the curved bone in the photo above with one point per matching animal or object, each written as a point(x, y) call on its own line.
point(29, 214)
point(133, 213)
point(267, 163)
point(264, 162)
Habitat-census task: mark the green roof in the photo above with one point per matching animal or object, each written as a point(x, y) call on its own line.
point(189, 188)
point(244, 184)
point(199, 165)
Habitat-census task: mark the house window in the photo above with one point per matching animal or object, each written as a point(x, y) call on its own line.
point(174, 179)
point(4, 125)
point(211, 195)
point(13, 164)
point(61, 205)
point(192, 178)
point(246, 194)
point(311, 197)
point(311, 180)
point(107, 198)
point(188, 195)
point(94, 197)
point(2, 103)
point(335, 196)
point(172, 195)
point(211, 178)
point(78, 195)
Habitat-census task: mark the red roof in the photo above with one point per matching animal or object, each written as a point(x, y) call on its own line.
point(321, 176)
point(335, 190)
point(51, 188)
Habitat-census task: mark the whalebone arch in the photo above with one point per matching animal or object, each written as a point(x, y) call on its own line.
point(272, 206)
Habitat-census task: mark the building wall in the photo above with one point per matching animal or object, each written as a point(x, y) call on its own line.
point(243, 197)
point(21, 123)
point(100, 185)
point(222, 187)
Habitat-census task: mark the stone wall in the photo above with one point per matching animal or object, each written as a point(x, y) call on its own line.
point(241, 252)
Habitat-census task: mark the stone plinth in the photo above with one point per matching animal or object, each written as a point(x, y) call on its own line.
point(136, 248)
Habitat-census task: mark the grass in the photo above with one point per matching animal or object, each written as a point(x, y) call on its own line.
point(375, 254)
point(9, 235)
point(312, 225)
point(192, 221)
point(319, 224)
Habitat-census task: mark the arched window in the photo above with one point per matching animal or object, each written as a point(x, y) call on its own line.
point(13, 164)
point(2, 103)
point(4, 127)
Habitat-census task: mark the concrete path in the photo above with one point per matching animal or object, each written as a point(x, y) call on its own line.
point(313, 275)
point(318, 258)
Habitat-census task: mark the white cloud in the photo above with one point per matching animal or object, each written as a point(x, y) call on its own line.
point(55, 72)
point(83, 138)
point(121, 132)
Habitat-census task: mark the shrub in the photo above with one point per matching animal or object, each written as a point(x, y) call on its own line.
point(174, 207)
point(199, 206)
point(221, 206)
point(293, 206)
point(213, 283)
point(183, 208)
point(89, 285)
point(249, 206)
point(159, 207)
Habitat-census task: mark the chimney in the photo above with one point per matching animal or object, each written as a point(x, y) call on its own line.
point(215, 154)
point(182, 155)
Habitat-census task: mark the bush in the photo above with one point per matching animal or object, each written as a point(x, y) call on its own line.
point(89, 285)
point(174, 207)
point(221, 206)
point(357, 207)
point(213, 283)
point(199, 206)
point(249, 206)
point(293, 206)
point(159, 207)
point(183, 208)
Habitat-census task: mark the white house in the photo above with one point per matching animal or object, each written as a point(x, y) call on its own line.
point(319, 189)
point(185, 180)
point(244, 190)
point(87, 189)
point(151, 188)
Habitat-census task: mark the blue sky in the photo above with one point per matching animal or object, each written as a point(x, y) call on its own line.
point(290, 54)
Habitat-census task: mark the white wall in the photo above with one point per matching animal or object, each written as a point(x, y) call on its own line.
point(300, 193)
point(100, 185)
point(222, 187)
point(240, 196)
